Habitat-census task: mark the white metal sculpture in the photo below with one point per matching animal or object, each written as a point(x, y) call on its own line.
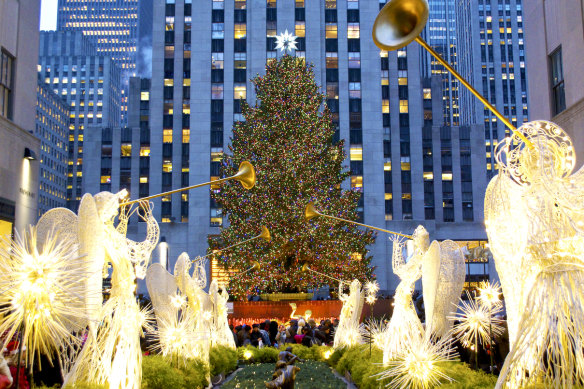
point(534, 214)
point(113, 357)
point(222, 333)
point(441, 266)
point(348, 333)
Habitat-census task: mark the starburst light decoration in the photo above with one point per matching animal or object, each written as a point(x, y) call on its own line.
point(374, 331)
point(489, 294)
point(286, 41)
point(419, 364)
point(474, 320)
point(40, 285)
point(534, 215)
point(348, 333)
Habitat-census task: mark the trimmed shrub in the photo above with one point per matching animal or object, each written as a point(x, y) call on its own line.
point(222, 360)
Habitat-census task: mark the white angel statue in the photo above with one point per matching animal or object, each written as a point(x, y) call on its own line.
point(534, 214)
point(348, 333)
point(113, 356)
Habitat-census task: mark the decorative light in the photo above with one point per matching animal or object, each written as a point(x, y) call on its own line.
point(419, 364)
point(327, 354)
point(348, 331)
point(286, 41)
point(40, 284)
point(247, 354)
point(489, 293)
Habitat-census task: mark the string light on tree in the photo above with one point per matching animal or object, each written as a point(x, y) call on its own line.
point(289, 139)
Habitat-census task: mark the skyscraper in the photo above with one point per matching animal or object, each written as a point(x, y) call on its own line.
point(440, 33)
point(116, 29)
point(52, 128)
point(490, 35)
point(19, 148)
point(409, 167)
point(89, 83)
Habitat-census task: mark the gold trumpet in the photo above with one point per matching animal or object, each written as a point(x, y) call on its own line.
point(311, 212)
point(245, 175)
point(265, 235)
point(401, 21)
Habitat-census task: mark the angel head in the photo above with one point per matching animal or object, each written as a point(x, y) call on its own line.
point(421, 239)
point(108, 204)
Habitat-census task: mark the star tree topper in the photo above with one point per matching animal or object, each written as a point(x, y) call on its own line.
point(286, 41)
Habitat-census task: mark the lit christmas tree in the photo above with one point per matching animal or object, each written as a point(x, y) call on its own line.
point(288, 138)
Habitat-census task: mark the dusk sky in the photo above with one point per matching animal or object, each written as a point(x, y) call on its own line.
point(48, 15)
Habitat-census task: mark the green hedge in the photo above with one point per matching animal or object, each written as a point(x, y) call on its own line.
point(222, 360)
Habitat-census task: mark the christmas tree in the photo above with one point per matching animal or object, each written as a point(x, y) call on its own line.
point(288, 137)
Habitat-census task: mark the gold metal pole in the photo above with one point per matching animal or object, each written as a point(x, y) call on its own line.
point(256, 265)
point(264, 235)
point(365, 225)
point(485, 102)
point(310, 212)
point(173, 191)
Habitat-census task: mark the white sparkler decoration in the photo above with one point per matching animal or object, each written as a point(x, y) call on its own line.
point(418, 364)
point(286, 41)
point(474, 322)
point(40, 289)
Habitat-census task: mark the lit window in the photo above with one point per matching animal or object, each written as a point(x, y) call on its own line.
point(356, 182)
point(106, 179)
point(145, 151)
point(167, 166)
point(385, 106)
point(387, 166)
point(332, 61)
point(300, 29)
point(239, 30)
point(167, 136)
point(217, 91)
point(403, 106)
point(354, 60)
point(356, 153)
point(239, 91)
point(126, 149)
point(143, 180)
point(353, 31)
point(240, 61)
point(186, 135)
point(427, 93)
point(355, 90)
point(447, 176)
point(144, 96)
point(331, 31)
point(217, 61)
point(240, 4)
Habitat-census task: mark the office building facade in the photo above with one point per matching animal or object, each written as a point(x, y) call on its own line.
point(90, 84)
point(116, 28)
point(555, 52)
point(52, 128)
point(19, 148)
point(491, 56)
point(409, 168)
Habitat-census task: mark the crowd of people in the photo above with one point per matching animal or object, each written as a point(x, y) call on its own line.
point(270, 333)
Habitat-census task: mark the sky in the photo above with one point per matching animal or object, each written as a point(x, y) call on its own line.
point(48, 15)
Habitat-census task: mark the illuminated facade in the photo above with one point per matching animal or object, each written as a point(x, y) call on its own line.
point(19, 148)
point(410, 168)
point(90, 84)
point(490, 35)
point(116, 29)
point(52, 128)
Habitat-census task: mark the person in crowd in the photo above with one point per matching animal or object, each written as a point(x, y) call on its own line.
point(282, 336)
point(5, 375)
point(307, 338)
point(301, 323)
point(273, 330)
point(299, 336)
point(255, 335)
point(234, 333)
point(244, 336)
point(265, 338)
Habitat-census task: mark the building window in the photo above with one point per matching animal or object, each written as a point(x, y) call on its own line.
point(5, 84)
point(557, 81)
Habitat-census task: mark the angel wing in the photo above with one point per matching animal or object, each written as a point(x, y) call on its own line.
point(91, 233)
point(508, 240)
point(59, 220)
point(450, 283)
point(430, 282)
point(162, 287)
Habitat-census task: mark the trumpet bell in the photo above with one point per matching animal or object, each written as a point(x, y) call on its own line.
point(265, 235)
point(256, 265)
point(305, 267)
point(399, 22)
point(246, 175)
point(310, 211)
